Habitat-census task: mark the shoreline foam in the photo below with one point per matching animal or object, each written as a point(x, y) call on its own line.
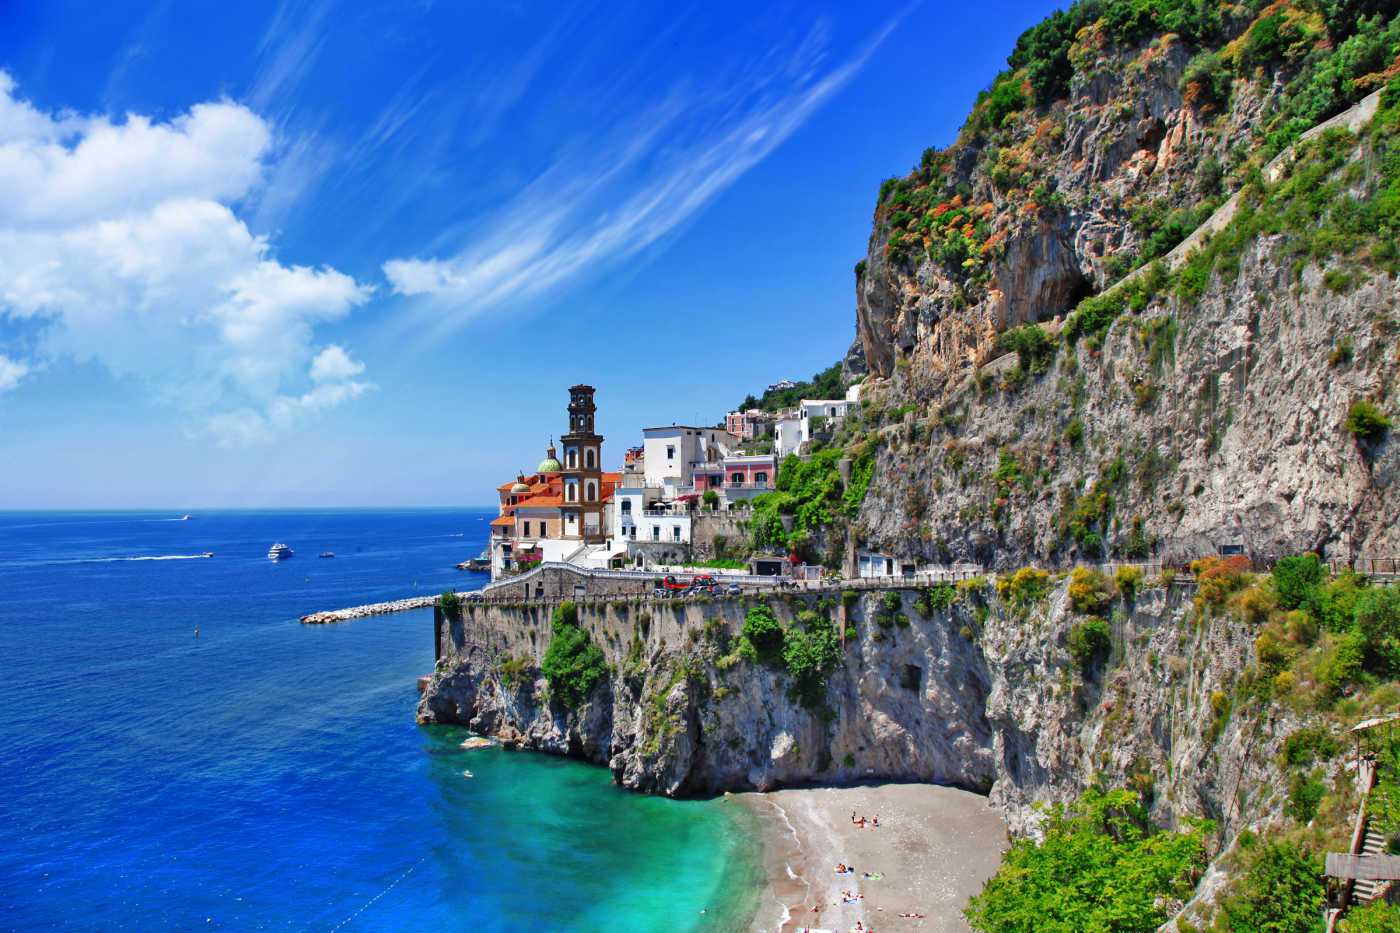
point(934, 848)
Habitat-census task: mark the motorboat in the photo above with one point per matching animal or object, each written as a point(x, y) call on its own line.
point(279, 552)
point(326, 554)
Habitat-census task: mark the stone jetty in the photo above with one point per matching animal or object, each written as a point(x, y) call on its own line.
point(373, 609)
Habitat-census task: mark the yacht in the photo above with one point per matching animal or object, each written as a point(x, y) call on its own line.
point(278, 552)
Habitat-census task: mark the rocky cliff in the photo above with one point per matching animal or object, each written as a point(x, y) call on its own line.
point(1030, 404)
point(983, 693)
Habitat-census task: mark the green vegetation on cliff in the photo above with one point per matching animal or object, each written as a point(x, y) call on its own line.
point(1102, 866)
point(573, 665)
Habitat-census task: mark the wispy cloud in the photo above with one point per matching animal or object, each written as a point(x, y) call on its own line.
point(288, 50)
point(607, 196)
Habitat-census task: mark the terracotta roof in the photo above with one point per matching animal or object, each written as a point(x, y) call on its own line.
point(503, 521)
point(541, 502)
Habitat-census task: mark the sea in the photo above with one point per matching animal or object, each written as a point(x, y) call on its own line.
point(178, 752)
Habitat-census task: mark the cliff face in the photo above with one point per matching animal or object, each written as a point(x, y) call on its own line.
point(1205, 414)
point(982, 694)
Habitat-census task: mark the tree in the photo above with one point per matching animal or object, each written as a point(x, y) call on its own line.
point(1378, 622)
point(573, 665)
point(1102, 866)
point(1296, 579)
point(710, 498)
point(764, 632)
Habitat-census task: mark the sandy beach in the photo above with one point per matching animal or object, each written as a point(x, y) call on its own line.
point(933, 848)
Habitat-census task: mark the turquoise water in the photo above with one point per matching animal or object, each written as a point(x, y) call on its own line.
point(267, 775)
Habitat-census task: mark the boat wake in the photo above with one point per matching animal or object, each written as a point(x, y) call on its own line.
point(106, 560)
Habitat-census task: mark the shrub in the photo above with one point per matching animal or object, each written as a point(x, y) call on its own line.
point(1028, 585)
point(1378, 623)
point(1342, 662)
point(808, 656)
point(1088, 590)
point(1077, 878)
point(1375, 917)
point(892, 601)
point(1128, 579)
point(1295, 579)
point(1088, 643)
point(710, 498)
point(573, 665)
point(933, 598)
point(1281, 891)
point(849, 598)
point(1305, 746)
point(1219, 578)
point(1365, 421)
point(764, 632)
point(450, 603)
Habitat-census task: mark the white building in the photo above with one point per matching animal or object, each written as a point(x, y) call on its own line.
point(832, 410)
point(787, 437)
point(671, 453)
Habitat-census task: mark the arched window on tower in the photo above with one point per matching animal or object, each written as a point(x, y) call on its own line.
point(573, 458)
point(589, 458)
point(591, 492)
point(573, 491)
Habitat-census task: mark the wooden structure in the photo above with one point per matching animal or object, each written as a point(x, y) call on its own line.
point(1365, 872)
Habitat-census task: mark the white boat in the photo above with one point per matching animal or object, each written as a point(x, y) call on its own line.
point(279, 552)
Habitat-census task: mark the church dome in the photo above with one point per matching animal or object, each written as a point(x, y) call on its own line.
point(550, 463)
point(518, 489)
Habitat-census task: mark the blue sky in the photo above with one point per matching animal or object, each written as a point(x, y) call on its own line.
point(329, 253)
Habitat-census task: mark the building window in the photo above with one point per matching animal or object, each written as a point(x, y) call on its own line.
point(656, 532)
point(589, 457)
point(592, 492)
point(544, 529)
point(573, 457)
point(626, 506)
point(675, 532)
point(760, 478)
point(670, 452)
point(527, 530)
point(736, 478)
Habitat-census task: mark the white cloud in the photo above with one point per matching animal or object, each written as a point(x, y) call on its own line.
point(332, 373)
point(11, 372)
point(603, 200)
point(333, 364)
point(120, 240)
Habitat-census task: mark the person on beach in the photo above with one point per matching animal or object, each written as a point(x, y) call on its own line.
point(876, 820)
point(860, 822)
point(853, 816)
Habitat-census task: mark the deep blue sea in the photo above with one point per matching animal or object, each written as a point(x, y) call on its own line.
point(267, 775)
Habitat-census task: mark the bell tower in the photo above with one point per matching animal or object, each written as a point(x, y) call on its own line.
point(583, 469)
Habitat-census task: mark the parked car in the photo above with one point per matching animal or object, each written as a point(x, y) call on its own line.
point(734, 589)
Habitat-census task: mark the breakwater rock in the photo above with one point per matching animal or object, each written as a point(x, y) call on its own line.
point(373, 609)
